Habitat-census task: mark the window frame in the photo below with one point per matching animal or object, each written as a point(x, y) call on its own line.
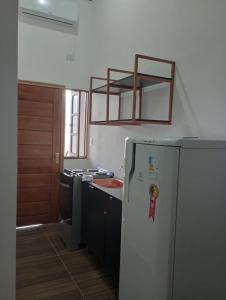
point(79, 91)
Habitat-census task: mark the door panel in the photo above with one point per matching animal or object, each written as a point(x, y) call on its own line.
point(35, 151)
point(32, 208)
point(28, 193)
point(32, 166)
point(40, 138)
point(34, 180)
point(32, 108)
point(35, 123)
point(34, 92)
point(28, 220)
point(34, 137)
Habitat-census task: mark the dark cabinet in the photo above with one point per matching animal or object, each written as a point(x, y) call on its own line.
point(113, 234)
point(96, 222)
point(102, 226)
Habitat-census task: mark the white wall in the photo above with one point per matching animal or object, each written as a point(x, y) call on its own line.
point(193, 33)
point(42, 56)
point(43, 52)
point(110, 33)
point(8, 149)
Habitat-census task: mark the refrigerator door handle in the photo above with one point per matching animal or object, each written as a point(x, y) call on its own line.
point(131, 172)
point(132, 169)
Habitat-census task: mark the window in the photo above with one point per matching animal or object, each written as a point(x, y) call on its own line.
point(76, 124)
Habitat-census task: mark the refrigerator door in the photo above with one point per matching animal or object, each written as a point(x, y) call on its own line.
point(148, 222)
point(200, 251)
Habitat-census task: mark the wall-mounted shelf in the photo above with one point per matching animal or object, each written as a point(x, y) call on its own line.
point(135, 83)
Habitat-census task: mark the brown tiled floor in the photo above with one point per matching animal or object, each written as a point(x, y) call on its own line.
point(47, 271)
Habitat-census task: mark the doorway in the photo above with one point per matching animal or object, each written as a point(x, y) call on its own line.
point(40, 151)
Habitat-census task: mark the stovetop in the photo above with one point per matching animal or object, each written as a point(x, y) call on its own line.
point(96, 173)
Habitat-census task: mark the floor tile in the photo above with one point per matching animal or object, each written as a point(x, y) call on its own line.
point(95, 286)
point(48, 271)
point(79, 262)
point(58, 289)
point(50, 228)
point(93, 280)
point(58, 244)
point(29, 232)
point(38, 270)
point(37, 245)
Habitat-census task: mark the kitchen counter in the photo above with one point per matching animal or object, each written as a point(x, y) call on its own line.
point(115, 192)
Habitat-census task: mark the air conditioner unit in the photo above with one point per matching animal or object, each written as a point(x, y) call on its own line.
point(61, 15)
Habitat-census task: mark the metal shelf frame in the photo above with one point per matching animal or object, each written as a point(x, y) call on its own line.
point(135, 82)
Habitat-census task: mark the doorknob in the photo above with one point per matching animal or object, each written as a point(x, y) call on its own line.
point(57, 156)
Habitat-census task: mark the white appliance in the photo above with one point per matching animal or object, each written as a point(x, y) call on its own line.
point(174, 220)
point(61, 15)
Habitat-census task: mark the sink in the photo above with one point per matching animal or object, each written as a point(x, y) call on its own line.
point(110, 183)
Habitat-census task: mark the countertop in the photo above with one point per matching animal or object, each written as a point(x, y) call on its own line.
point(115, 192)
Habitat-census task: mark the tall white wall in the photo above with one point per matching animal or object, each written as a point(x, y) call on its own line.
point(8, 149)
point(110, 33)
point(42, 52)
point(42, 56)
point(193, 33)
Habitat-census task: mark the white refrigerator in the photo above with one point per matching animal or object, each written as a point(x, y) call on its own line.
point(173, 244)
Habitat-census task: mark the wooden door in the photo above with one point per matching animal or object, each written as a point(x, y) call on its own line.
point(40, 151)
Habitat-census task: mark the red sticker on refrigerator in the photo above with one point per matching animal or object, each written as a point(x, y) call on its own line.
point(154, 193)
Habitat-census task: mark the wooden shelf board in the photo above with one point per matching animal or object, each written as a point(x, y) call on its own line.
point(126, 84)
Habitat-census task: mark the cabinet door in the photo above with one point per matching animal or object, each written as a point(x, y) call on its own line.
point(85, 196)
point(113, 234)
point(96, 222)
